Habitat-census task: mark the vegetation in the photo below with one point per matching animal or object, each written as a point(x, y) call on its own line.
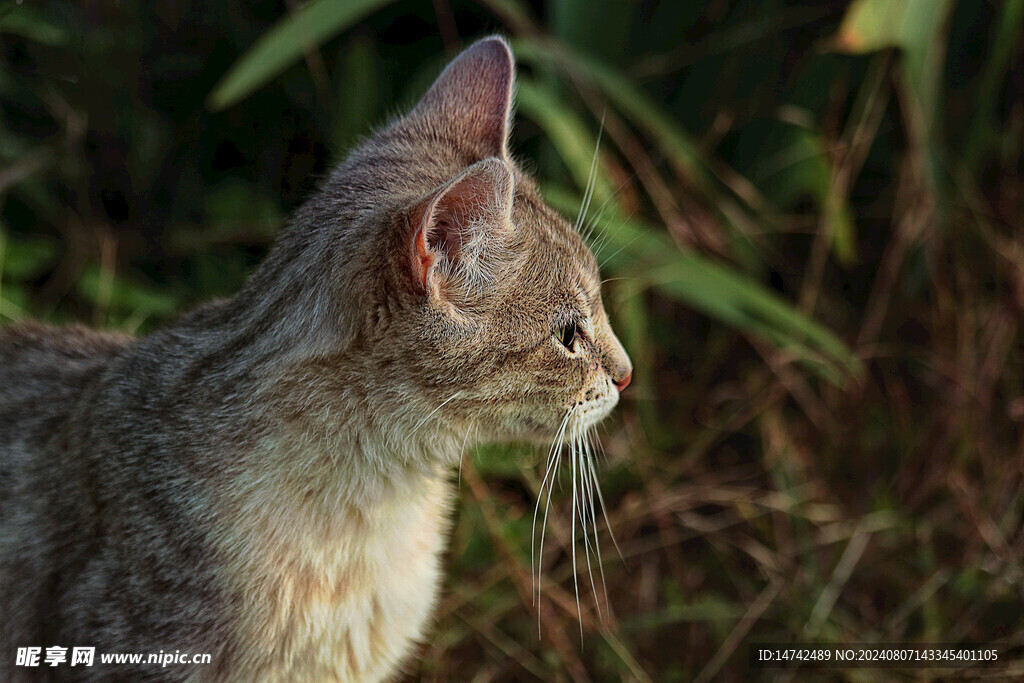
point(809, 215)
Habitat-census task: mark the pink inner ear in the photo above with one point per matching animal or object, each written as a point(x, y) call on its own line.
point(439, 234)
point(479, 200)
point(445, 237)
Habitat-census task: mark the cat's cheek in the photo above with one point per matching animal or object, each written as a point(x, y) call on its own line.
point(533, 426)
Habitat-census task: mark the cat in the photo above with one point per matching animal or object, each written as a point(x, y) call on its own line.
point(268, 479)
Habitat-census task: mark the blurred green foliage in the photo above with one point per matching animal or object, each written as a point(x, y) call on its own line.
point(809, 217)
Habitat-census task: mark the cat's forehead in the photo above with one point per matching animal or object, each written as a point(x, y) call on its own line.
point(567, 263)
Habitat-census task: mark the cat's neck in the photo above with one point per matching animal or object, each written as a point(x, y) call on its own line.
point(336, 456)
point(326, 425)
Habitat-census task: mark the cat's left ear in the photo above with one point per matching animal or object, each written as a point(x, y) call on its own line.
point(460, 230)
point(471, 100)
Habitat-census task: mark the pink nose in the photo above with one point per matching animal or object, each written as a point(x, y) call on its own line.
point(624, 382)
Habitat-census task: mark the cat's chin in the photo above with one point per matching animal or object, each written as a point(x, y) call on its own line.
point(544, 435)
point(592, 418)
point(583, 417)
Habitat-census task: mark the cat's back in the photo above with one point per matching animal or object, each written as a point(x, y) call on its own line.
point(43, 370)
point(46, 363)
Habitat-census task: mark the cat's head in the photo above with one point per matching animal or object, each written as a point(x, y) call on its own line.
point(462, 295)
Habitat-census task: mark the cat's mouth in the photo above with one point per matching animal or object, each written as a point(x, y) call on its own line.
point(593, 407)
point(591, 414)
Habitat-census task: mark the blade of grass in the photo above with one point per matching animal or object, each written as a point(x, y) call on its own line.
point(917, 27)
point(622, 652)
point(514, 14)
point(757, 608)
point(567, 133)
point(359, 95)
point(1007, 36)
point(285, 43)
point(844, 569)
point(32, 23)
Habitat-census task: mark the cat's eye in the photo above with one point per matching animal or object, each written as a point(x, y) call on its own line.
point(567, 335)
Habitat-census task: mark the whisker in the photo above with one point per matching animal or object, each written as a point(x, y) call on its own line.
point(544, 525)
point(553, 458)
point(586, 502)
point(604, 510)
point(616, 252)
point(595, 486)
point(462, 450)
point(594, 222)
point(602, 242)
point(572, 536)
point(431, 414)
point(584, 445)
point(550, 462)
point(588, 193)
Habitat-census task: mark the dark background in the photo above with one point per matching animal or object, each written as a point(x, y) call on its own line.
point(809, 216)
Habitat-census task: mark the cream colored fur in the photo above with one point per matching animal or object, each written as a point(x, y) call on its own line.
point(342, 592)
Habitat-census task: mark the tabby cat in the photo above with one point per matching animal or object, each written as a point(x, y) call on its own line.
point(268, 479)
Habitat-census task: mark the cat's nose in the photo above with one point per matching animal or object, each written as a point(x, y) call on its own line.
point(613, 357)
point(622, 383)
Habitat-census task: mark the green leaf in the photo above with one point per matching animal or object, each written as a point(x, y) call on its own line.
point(796, 163)
point(871, 25)
point(13, 304)
point(359, 93)
point(124, 297)
point(513, 13)
point(284, 43)
point(983, 133)
point(628, 98)
point(744, 304)
point(607, 37)
point(28, 22)
point(914, 26)
point(21, 259)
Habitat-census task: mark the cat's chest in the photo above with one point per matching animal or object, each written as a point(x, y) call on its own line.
point(342, 598)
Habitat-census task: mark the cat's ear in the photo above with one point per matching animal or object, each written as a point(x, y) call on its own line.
point(472, 98)
point(457, 231)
